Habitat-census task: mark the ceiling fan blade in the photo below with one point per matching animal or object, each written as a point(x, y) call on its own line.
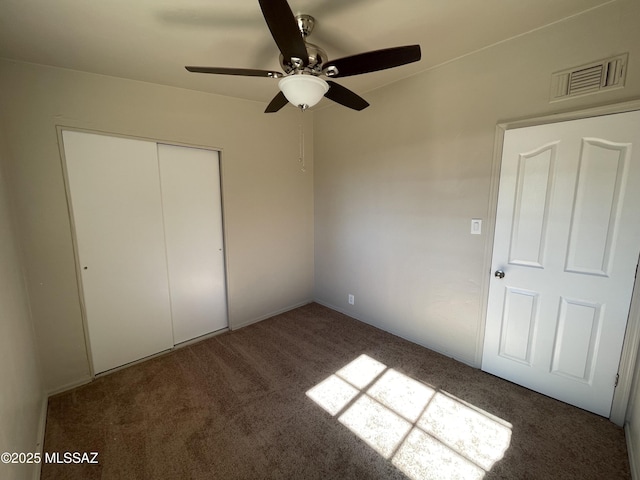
point(284, 29)
point(277, 103)
point(373, 61)
point(346, 97)
point(245, 72)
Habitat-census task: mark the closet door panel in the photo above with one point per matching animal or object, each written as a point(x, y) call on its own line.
point(190, 181)
point(117, 210)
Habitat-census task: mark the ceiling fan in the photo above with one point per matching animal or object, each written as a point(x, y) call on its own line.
point(303, 62)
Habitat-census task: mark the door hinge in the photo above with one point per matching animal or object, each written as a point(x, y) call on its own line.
point(617, 379)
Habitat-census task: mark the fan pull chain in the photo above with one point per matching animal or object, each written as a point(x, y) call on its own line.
point(301, 155)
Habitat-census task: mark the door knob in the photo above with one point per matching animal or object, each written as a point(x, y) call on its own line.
point(499, 274)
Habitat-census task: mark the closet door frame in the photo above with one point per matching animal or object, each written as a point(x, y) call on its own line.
point(74, 240)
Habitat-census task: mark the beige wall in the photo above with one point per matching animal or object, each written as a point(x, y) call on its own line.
point(268, 201)
point(22, 396)
point(397, 184)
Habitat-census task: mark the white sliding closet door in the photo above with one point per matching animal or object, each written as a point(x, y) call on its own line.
point(190, 182)
point(117, 210)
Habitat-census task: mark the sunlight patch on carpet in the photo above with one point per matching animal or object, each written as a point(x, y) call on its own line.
point(427, 434)
point(362, 371)
point(402, 394)
point(381, 428)
point(467, 430)
point(423, 457)
point(333, 394)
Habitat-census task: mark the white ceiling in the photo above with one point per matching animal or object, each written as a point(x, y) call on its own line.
point(152, 40)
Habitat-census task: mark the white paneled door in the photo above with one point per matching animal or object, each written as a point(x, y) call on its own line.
point(566, 247)
point(148, 229)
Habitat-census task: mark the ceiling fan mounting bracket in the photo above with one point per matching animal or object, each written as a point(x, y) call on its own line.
point(305, 24)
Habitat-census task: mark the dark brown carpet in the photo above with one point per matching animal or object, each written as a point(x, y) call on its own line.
point(235, 407)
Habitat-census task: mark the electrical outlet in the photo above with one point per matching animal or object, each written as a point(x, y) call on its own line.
point(352, 300)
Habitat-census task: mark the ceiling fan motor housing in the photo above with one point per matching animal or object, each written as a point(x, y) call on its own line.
point(316, 55)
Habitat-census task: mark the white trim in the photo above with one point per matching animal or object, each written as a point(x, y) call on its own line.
point(628, 358)
point(631, 444)
point(69, 386)
point(130, 364)
point(565, 116)
point(206, 336)
point(433, 348)
point(187, 343)
point(72, 385)
point(42, 423)
point(246, 323)
point(632, 337)
point(490, 229)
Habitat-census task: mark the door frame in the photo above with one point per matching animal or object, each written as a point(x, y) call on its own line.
point(65, 174)
point(632, 337)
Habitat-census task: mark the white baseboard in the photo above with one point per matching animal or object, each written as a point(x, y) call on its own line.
point(42, 423)
point(246, 323)
point(467, 361)
point(69, 386)
point(78, 383)
point(632, 445)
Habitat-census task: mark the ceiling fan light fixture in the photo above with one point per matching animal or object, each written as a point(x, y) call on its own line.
point(303, 62)
point(302, 90)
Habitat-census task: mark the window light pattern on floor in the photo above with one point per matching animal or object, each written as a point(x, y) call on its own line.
point(427, 434)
